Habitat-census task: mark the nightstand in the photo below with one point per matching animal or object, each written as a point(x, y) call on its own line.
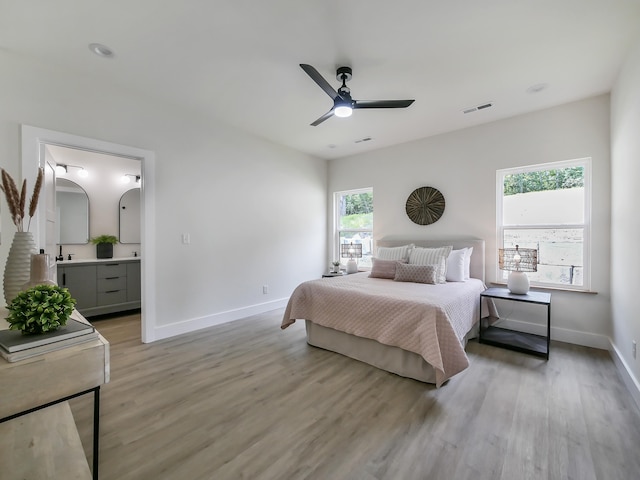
point(342, 273)
point(519, 341)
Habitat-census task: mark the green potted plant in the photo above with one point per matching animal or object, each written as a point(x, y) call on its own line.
point(40, 309)
point(104, 245)
point(336, 266)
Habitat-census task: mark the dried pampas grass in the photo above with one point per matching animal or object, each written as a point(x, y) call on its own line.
point(17, 200)
point(33, 204)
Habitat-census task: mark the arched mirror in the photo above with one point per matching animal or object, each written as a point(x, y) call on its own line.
point(130, 216)
point(72, 208)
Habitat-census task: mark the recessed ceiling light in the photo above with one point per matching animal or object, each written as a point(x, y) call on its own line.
point(538, 87)
point(101, 50)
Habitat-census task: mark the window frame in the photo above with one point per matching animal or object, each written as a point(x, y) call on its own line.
point(336, 220)
point(586, 226)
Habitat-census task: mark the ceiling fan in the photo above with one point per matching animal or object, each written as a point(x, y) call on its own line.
point(343, 104)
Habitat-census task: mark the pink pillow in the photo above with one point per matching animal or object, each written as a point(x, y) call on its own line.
point(384, 268)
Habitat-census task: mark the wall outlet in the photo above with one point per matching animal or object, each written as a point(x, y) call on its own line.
point(186, 239)
point(265, 289)
point(634, 349)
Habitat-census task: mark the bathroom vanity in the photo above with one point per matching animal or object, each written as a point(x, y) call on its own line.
point(102, 286)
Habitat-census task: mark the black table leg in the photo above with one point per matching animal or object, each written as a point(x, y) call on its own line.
point(96, 431)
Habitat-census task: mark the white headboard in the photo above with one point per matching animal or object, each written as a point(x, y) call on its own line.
point(476, 268)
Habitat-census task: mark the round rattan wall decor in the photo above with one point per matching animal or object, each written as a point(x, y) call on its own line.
point(425, 205)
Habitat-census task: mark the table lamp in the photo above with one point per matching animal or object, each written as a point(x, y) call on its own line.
point(518, 261)
point(351, 251)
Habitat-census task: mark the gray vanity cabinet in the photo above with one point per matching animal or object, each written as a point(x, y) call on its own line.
point(81, 281)
point(102, 287)
point(134, 282)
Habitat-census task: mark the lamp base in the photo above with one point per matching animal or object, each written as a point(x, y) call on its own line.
point(518, 283)
point(352, 266)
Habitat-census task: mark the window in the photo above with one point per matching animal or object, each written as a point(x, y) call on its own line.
point(547, 207)
point(354, 222)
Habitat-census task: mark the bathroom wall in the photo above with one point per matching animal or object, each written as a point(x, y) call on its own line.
point(104, 186)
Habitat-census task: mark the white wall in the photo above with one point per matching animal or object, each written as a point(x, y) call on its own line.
point(463, 164)
point(625, 219)
point(255, 211)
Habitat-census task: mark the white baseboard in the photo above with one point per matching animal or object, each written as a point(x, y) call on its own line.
point(631, 382)
point(190, 325)
point(575, 337)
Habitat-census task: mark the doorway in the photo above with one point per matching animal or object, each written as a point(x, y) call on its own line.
point(34, 155)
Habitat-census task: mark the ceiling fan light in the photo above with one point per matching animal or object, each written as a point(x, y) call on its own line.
point(343, 111)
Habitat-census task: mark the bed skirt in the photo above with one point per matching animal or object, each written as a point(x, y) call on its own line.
point(392, 359)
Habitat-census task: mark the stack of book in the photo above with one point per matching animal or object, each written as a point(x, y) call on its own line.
point(15, 346)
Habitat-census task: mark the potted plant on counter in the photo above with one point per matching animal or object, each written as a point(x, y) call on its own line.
point(104, 245)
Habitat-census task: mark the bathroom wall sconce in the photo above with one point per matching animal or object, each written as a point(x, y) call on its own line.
point(126, 178)
point(63, 169)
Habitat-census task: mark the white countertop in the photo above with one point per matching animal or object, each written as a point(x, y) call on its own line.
point(96, 260)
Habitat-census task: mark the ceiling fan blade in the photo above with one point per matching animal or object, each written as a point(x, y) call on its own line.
point(324, 117)
point(319, 79)
point(382, 103)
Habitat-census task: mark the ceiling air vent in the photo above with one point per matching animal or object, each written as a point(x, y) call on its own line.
point(478, 107)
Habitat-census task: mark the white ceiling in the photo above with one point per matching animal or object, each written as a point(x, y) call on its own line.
point(238, 60)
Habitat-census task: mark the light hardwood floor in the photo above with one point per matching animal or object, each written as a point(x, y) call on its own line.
point(246, 400)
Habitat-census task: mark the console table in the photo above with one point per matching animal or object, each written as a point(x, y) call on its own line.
point(34, 407)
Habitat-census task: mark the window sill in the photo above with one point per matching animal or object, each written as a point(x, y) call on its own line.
point(559, 289)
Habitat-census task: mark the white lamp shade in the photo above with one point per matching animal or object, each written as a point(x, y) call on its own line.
point(518, 283)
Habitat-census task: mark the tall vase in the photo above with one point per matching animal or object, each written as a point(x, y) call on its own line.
point(17, 270)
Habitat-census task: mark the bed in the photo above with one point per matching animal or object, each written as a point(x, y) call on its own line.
point(415, 330)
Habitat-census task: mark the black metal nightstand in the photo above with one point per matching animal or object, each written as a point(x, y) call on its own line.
point(519, 341)
point(342, 273)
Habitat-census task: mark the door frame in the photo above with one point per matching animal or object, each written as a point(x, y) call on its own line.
point(34, 140)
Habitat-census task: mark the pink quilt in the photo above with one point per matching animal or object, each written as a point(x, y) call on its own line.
point(430, 320)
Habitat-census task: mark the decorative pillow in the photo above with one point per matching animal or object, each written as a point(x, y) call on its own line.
point(384, 268)
point(455, 266)
point(467, 262)
point(395, 253)
point(432, 256)
point(416, 273)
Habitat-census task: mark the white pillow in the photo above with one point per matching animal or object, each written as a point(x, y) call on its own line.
point(432, 256)
point(467, 262)
point(455, 265)
point(394, 253)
